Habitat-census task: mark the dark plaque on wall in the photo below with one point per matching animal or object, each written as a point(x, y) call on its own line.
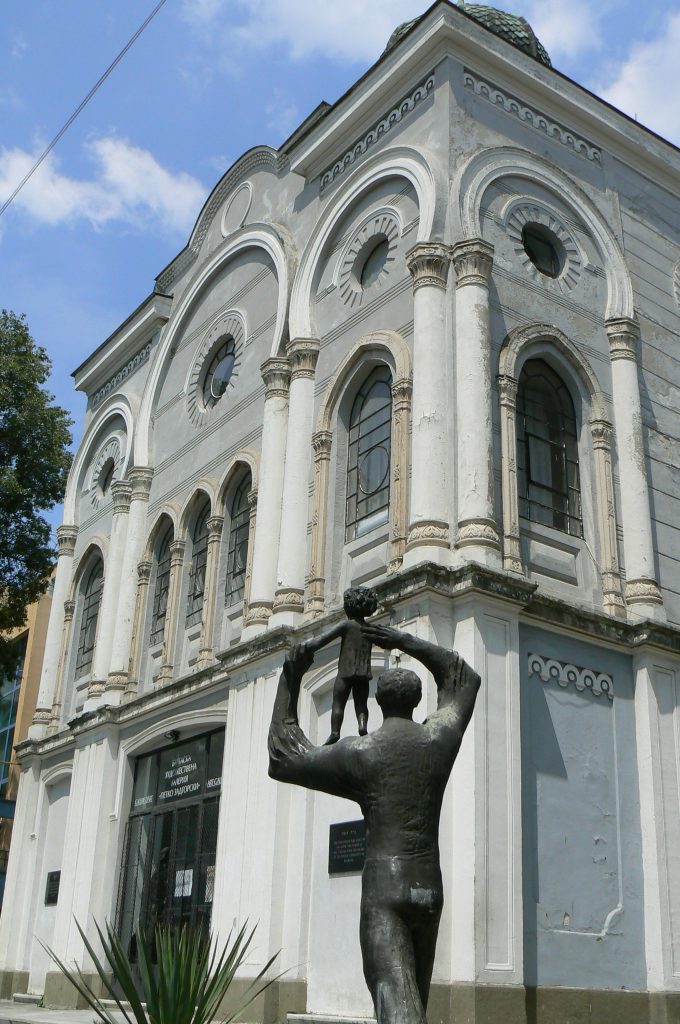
point(346, 847)
point(52, 888)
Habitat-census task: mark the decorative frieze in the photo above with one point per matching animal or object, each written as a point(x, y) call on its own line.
point(379, 130)
point(428, 264)
point(624, 335)
point(303, 354)
point(532, 117)
point(472, 262)
point(276, 376)
point(565, 674)
point(126, 371)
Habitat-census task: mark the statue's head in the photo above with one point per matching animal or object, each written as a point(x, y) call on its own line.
point(359, 602)
point(398, 693)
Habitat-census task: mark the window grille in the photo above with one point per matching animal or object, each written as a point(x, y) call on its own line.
point(239, 530)
point(369, 454)
point(92, 593)
point(199, 560)
point(162, 588)
point(547, 451)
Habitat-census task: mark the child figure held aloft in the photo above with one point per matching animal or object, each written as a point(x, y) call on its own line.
point(354, 663)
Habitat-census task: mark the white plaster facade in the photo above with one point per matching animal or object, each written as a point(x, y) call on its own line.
point(450, 143)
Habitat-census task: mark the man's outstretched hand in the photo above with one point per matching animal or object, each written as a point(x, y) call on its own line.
point(299, 658)
point(383, 636)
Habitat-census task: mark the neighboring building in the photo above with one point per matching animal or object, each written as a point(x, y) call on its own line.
point(18, 699)
point(429, 344)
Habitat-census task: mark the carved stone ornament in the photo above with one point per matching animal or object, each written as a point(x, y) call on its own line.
point(507, 391)
point(428, 263)
point(383, 226)
point(428, 532)
point(520, 213)
point(258, 614)
point(472, 262)
point(112, 451)
point(126, 371)
point(291, 600)
point(480, 532)
point(276, 376)
point(140, 478)
point(66, 540)
point(303, 354)
point(121, 492)
point(144, 571)
point(623, 336)
point(643, 591)
point(69, 609)
point(42, 716)
point(215, 524)
point(602, 432)
point(550, 670)
point(229, 324)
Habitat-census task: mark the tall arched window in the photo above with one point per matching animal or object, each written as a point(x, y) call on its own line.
point(368, 455)
point(548, 483)
point(239, 529)
point(161, 587)
point(87, 636)
point(199, 559)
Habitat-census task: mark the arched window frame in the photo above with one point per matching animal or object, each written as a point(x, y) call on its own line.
point(161, 585)
point(91, 589)
point(198, 565)
point(237, 538)
point(369, 438)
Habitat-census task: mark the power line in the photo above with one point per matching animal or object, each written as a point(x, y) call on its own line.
point(100, 81)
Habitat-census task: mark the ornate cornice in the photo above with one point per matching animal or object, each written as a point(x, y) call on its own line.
point(276, 376)
point(428, 264)
point(140, 478)
point(378, 130)
point(472, 262)
point(126, 371)
point(530, 116)
point(66, 540)
point(624, 335)
point(121, 492)
point(550, 670)
point(303, 354)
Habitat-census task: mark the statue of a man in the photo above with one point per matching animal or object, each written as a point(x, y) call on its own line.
point(397, 775)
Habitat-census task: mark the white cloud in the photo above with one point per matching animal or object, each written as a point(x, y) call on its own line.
point(129, 186)
point(567, 27)
point(19, 46)
point(282, 113)
point(646, 84)
point(353, 30)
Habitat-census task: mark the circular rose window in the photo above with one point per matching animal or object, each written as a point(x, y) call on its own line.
point(219, 373)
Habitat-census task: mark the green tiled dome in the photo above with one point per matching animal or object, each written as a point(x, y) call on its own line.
point(510, 27)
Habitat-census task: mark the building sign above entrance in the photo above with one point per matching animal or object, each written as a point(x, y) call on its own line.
point(188, 770)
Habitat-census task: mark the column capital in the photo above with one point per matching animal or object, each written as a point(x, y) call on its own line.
point(215, 524)
point(428, 264)
point(252, 499)
point(121, 492)
point(66, 540)
point(259, 613)
point(303, 354)
point(624, 335)
point(322, 442)
point(472, 262)
point(402, 390)
point(276, 376)
point(140, 478)
point(643, 591)
point(69, 608)
point(144, 571)
point(177, 548)
point(507, 390)
point(602, 432)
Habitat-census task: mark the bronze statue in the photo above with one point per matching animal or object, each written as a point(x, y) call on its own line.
point(397, 775)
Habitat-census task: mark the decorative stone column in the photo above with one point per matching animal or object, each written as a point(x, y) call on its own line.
point(206, 643)
point(642, 591)
point(136, 643)
point(322, 442)
point(55, 721)
point(276, 376)
point(402, 391)
point(477, 529)
point(66, 543)
point(252, 527)
point(174, 593)
point(428, 263)
point(140, 482)
point(612, 598)
point(303, 354)
point(512, 551)
point(106, 620)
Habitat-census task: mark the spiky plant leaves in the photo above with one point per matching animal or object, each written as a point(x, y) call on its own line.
point(185, 983)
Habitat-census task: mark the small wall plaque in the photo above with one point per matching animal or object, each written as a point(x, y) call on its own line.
point(346, 847)
point(52, 888)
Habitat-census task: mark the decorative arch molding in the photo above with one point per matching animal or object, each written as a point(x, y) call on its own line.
point(96, 545)
point(90, 445)
point(168, 514)
point(475, 177)
point(538, 340)
point(276, 243)
point(50, 777)
point(245, 458)
point(419, 167)
point(203, 489)
point(57, 773)
point(390, 348)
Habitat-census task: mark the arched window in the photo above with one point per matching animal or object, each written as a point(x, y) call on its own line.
point(162, 587)
point(239, 529)
point(549, 490)
point(92, 593)
point(199, 558)
point(368, 455)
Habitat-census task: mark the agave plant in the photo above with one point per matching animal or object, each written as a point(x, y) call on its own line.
point(185, 981)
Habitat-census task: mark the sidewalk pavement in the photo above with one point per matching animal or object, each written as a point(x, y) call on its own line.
point(30, 1013)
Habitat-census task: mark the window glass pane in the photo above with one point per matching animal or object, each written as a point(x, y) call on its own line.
point(161, 588)
point(199, 560)
point(237, 556)
point(369, 455)
point(92, 593)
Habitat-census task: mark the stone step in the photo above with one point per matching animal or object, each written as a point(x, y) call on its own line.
point(322, 1018)
point(26, 997)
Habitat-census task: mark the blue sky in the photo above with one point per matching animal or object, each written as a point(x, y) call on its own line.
point(81, 245)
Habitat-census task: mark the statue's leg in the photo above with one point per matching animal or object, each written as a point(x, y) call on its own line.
point(360, 695)
point(341, 690)
point(389, 965)
point(424, 945)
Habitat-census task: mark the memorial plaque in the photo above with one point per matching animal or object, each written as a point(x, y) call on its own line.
point(52, 888)
point(346, 847)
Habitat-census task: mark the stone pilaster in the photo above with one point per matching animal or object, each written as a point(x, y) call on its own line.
point(428, 263)
point(177, 549)
point(252, 528)
point(137, 641)
point(512, 551)
point(612, 597)
point(402, 394)
point(206, 643)
point(69, 609)
point(322, 442)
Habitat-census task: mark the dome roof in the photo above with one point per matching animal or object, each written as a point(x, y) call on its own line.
point(510, 27)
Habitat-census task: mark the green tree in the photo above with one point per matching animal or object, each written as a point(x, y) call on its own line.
point(34, 464)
